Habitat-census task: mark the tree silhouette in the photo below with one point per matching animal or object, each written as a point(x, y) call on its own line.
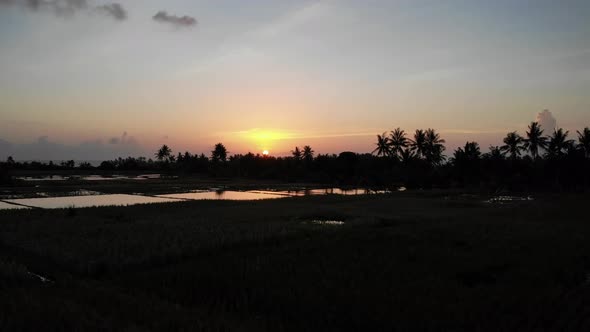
point(513, 144)
point(164, 153)
point(307, 153)
point(418, 144)
point(535, 140)
point(584, 141)
point(296, 153)
point(406, 156)
point(219, 153)
point(434, 147)
point(383, 149)
point(397, 142)
point(495, 153)
point(470, 152)
point(559, 144)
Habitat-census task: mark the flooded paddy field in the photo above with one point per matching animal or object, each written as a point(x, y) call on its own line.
point(68, 191)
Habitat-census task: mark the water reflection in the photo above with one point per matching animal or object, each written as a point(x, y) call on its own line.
point(141, 177)
point(328, 191)
point(89, 201)
point(228, 195)
point(85, 198)
point(508, 199)
point(6, 206)
point(328, 222)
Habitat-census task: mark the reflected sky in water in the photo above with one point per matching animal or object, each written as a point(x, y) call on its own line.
point(89, 201)
point(6, 206)
point(95, 199)
point(229, 195)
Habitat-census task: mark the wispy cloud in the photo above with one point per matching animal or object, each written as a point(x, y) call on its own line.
point(44, 148)
point(113, 10)
point(67, 8)
point(177, 21)
point(272, 134)
point(59, 7)
point(292, 19)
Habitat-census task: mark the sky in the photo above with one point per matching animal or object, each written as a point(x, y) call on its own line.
point(90, 79)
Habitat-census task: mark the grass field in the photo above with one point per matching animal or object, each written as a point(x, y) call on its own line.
point(408, 261)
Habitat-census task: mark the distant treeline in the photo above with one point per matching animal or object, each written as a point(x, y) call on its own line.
point(533, 161)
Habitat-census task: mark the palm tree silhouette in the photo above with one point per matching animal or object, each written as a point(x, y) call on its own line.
point(535, 140)
point(495, 153)
point(418, 144)
point(584, 141)
point(398, 142)
point(296, 153)
point(383, 149)
point(470, 152)
point(307, 153)
point(513, 144)
point(164, 153)
point(407, 155)
point(219, 153)
point(558, 143)
point(434, 147)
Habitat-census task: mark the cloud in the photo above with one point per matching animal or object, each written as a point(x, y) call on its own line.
point(125, 139)
point(547, 121)
point(59, 7)
point(67, 8)
point(114, 10)
point(178, 21)
point(43, 148)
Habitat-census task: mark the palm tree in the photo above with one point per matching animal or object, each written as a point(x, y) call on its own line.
point(219, 153)
point(296, 153)
point(164, 153)
point(398, 142)
point(513, 144)
point(434, 147)
point(383, 148)
point(407, 156)
point(418, 144)
point(495, 153)
point(470, 152)
point(584, 141)
point(307, 153)
point(535, 139)
point(558, 143)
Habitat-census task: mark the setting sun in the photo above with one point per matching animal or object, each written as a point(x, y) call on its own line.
point(265, 152)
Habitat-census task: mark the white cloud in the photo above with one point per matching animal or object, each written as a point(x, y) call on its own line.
point(547, 121)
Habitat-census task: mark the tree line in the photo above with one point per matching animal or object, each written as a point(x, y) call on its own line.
point(428, 145)
point(533, 161)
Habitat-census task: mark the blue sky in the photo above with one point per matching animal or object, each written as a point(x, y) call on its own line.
point(274, 74)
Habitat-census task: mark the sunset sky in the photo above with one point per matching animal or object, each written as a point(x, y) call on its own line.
point(95, 80)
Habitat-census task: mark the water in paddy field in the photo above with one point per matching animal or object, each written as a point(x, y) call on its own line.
point(330, 191)
point(84, 199)
point(228, 195)
point(141, 177)
point(88, 201)
point(6, 206)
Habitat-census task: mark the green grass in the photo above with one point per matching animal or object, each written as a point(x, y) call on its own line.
point(407, 261)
